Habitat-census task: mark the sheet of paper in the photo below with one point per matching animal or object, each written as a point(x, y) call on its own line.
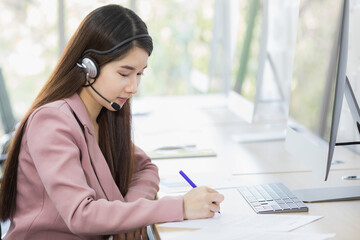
point(230, 233)
point(233, 212)
point(275, 223)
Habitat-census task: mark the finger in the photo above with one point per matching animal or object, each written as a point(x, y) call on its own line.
point(122, 236)
point(214, 208)
point(216, 197)
point(130, 236)
point(217, 204)
point(144, 233)
point(137, 233)
point(210, 214)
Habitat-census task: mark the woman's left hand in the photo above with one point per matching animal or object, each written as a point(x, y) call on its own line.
point(138, 234)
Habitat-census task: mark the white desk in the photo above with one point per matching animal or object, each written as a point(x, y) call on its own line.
point(207, 122)
point(192, 120)
point(338, 217)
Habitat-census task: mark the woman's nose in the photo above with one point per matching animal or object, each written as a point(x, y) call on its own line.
point(132, 85)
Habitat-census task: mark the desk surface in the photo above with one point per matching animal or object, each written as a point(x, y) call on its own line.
point(207, 122)
point(192, 121)
point(338, 217)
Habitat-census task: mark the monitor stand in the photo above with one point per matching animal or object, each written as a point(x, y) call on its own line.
point(328, 194)
point(272, 135)
point(262, 132)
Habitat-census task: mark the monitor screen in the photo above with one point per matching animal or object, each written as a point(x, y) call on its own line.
point(262, 60)
point(246, 57)
point(1, 129)
point(315, 65)
point(317, 84)
point(6, 115)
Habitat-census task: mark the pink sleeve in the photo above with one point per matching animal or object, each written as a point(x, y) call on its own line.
point(52, 138)
point(145, 180)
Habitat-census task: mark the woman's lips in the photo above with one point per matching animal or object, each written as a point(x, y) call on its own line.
point(122, 100)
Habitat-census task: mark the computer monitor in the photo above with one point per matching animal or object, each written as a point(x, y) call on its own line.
point(7, 116)
point(262, 67)
point(250, 57)
point(319, 81)
point(262, 61)
point(7, 120)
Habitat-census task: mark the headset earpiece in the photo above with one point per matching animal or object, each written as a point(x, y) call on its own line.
point(90, 66)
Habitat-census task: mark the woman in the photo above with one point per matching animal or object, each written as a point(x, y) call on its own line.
point(73, 171)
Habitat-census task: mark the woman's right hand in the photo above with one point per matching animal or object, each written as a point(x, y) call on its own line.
point(201, 202)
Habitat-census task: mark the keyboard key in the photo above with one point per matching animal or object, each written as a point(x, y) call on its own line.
point(256, 194)
point(274, 196)
point(301, 204)
point(292, 205)
point(268, 208)
point(265, 211)
point(256, 204)
point(252, 199)
point(245, 192)
point(276, 207)
point(286, 190)
point(284, 206)
point(259, 209)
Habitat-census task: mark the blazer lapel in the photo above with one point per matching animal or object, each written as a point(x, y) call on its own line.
point(97, 159)
point(101, 168)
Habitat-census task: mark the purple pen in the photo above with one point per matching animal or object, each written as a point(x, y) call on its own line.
point(187, 179)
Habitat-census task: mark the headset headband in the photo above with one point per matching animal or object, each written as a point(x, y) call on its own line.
point(117, 45)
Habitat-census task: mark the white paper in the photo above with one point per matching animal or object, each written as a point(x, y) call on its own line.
point(230, 233)
point(233, 213)
point(197, 223)
point(274, 223)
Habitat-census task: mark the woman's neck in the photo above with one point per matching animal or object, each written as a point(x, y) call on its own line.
point(93, 108)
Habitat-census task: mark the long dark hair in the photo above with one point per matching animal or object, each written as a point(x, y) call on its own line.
point(102, 29)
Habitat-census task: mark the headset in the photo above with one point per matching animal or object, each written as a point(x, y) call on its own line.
point(91, 67)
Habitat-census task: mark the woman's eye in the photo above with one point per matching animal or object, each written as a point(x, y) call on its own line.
point(124, 75)
point(140, 74)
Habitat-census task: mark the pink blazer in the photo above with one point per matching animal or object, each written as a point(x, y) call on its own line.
point(65, 189)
